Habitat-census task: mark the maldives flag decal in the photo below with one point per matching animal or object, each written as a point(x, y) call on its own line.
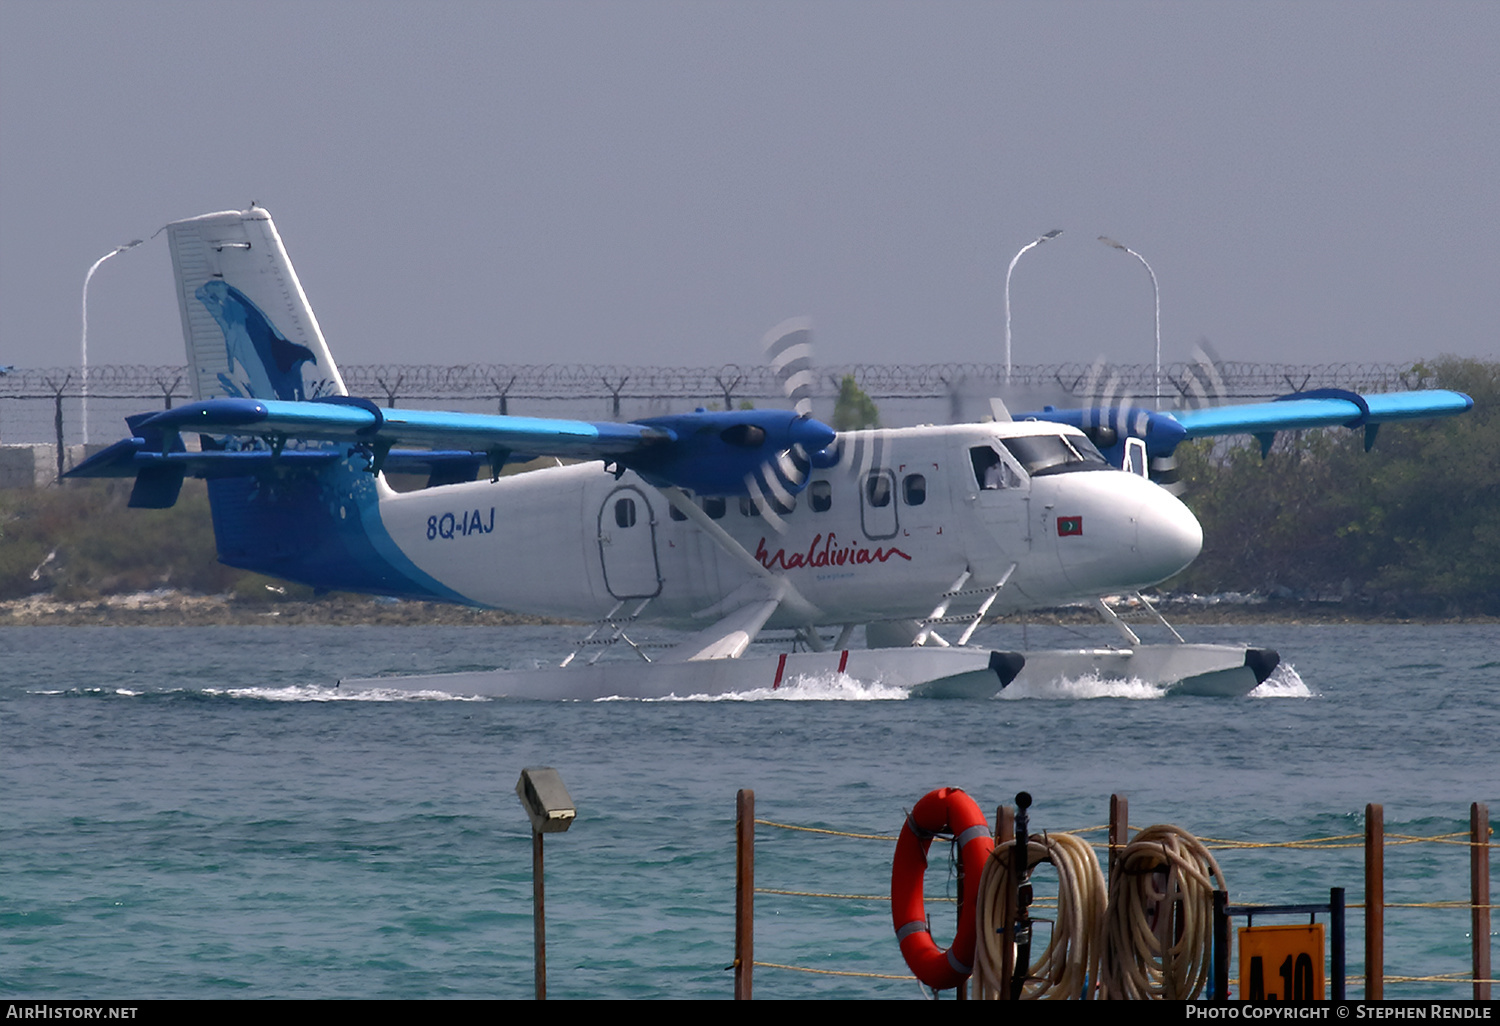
point(1069, 526)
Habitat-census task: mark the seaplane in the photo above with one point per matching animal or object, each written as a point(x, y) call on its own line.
point(721, 525)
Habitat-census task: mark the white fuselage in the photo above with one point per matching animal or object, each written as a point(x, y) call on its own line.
point(880, 536)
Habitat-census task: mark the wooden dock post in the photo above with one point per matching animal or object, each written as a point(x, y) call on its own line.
point(1119, 831)
point(538, 918)
point(551, 811)
point(1005, 832)
point(1339, 952)
point(1374, 902)
point(744, 893)
point(1479, 896)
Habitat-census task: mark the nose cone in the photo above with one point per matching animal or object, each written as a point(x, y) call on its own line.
point(1115, 530)
point(1168, 536)
point(811, 434)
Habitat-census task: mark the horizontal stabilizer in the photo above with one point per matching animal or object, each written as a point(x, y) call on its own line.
point(159, 475)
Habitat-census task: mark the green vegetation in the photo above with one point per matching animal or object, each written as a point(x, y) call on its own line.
point(80, 541)
point(1413, 525)
point(854, 409)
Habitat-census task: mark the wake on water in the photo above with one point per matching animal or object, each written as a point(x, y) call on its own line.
point(320, 693)
point(836, 687)
point(827, 687)
point(1285, 682)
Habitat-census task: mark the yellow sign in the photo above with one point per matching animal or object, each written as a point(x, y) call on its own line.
point(1281, 963)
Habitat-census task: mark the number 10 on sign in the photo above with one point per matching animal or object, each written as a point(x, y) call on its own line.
point(1281, 963)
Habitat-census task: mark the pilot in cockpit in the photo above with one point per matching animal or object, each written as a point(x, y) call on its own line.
point(990, 471)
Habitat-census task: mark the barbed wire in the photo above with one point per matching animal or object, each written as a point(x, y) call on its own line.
point(732, 382)
point(44, 405)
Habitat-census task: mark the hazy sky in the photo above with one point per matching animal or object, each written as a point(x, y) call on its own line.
point(660, 182)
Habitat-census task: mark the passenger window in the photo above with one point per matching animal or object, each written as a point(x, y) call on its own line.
point(914, 487)
point(820, 496)
point(878, 490)
point(748, 508)
point(676, 513)
point(625, 512)
point(714, 507)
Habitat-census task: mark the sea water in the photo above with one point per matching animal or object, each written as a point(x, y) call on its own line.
point(200, 813)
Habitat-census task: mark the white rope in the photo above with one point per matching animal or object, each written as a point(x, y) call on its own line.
point(1161, 866)
point(1069, 967)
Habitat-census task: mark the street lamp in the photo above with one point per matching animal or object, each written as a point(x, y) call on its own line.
point(1054, 233)
point(1155, 291)
point(85, 345)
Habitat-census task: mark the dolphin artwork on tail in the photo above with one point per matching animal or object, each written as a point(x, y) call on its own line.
point(263, 363)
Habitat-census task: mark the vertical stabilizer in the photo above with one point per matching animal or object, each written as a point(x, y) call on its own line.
point(249, 328)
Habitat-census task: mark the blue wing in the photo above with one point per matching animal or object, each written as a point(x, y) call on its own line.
point(1109, 427)
point(1322, 408)
point(710, 453)
point(341, 419)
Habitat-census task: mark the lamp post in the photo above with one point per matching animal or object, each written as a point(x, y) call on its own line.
point(1156, 291)
point(85, 344)
point(1054, 233)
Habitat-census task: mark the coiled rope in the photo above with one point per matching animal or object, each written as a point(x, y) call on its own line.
point(1160, 867)
point(1069, 967)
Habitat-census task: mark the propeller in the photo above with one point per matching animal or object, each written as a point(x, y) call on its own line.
point(788, 349)
point(1110, 414)
point(1201, 386)
point(1110, 418)
point(765, 455)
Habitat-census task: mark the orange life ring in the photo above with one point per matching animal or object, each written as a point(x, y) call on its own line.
point(944, 811)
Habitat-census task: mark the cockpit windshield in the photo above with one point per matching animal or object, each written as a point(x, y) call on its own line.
point(1055, 454)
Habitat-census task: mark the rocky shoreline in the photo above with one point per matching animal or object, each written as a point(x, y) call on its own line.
point(168, 608)
point(175, 609)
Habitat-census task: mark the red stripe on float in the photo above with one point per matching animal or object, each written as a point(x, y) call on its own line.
point(843, 660)
point(780, 667)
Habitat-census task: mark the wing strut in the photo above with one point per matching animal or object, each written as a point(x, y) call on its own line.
point(984, 607)
point(790, 596)
point(1131, 638)
point(617, 627)
point(936, 616)
point(939, 615)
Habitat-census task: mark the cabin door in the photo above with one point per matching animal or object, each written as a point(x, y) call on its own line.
point(627, 545)
point(994, 487)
